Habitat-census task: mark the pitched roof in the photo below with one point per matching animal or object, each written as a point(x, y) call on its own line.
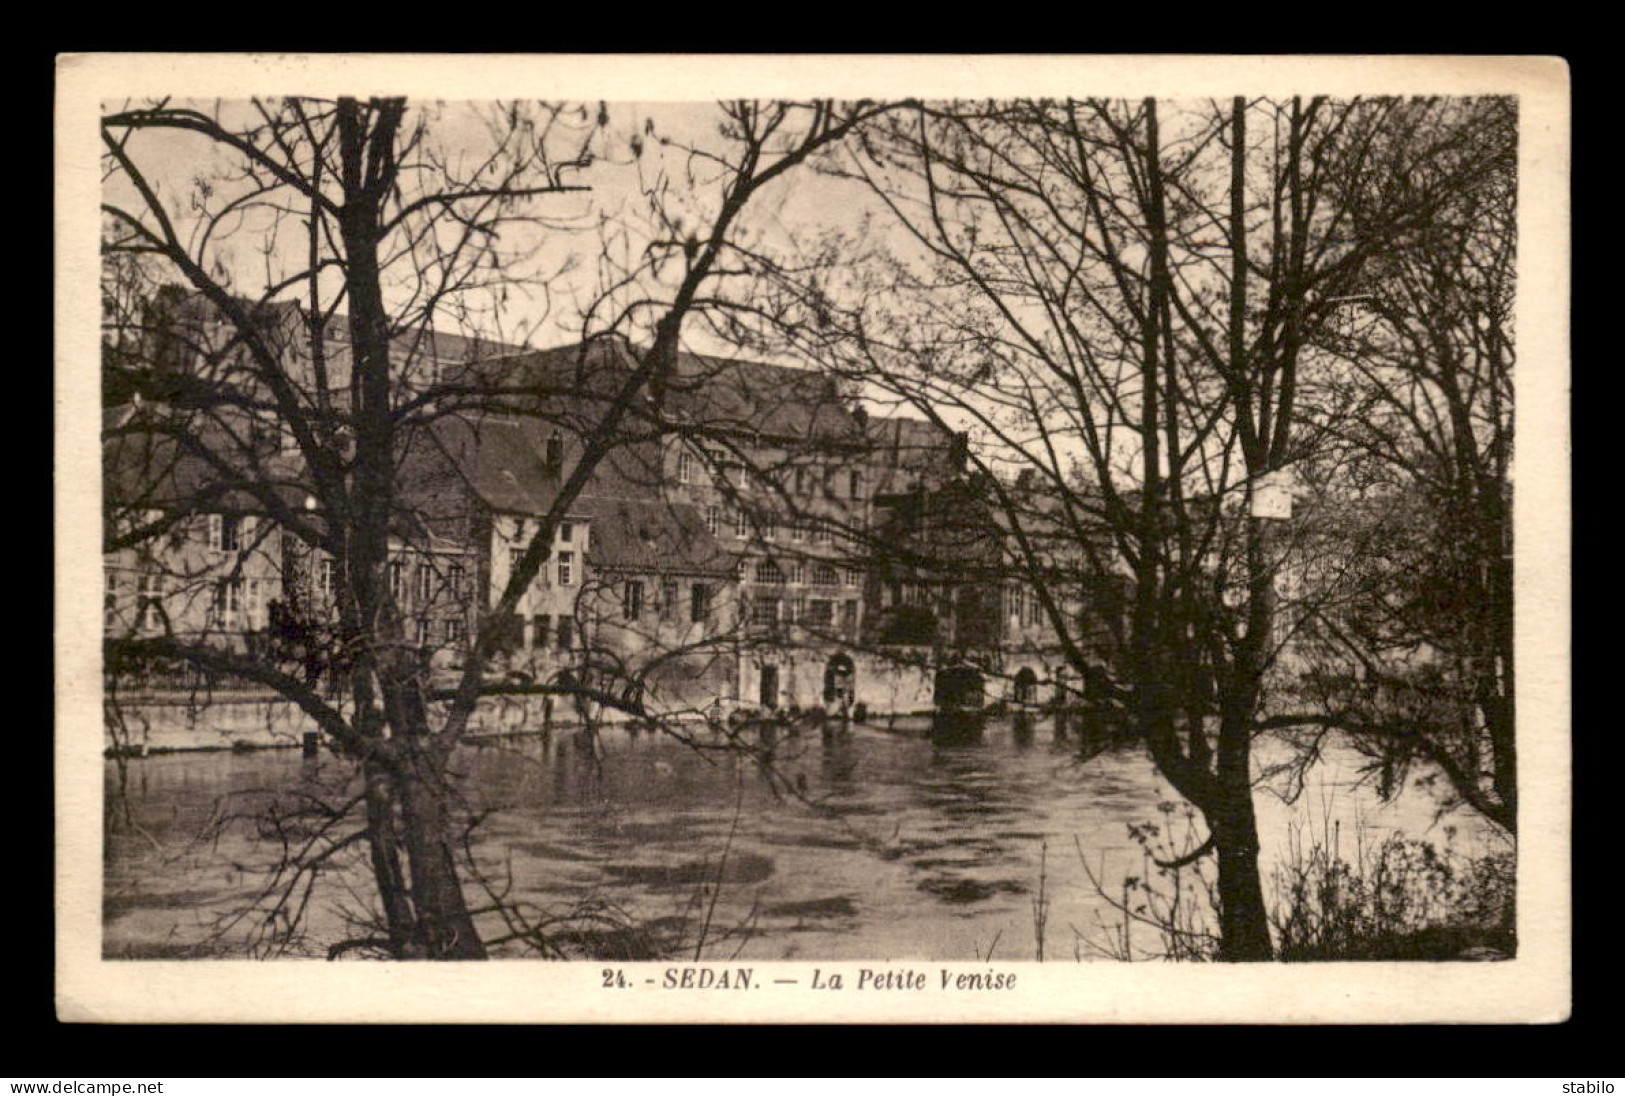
point(502, 459)
point(648, 536)
point(179, 309)
point(774, 401)
point(910, 452)
point(145, 467)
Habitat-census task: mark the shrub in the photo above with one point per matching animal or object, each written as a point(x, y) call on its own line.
point(1400, 899)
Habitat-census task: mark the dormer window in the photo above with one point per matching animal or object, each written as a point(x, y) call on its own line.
point(553, 453)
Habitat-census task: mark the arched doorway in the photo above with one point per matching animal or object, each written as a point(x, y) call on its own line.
point(1026, 687)
point(958, 688)
point(840, 681)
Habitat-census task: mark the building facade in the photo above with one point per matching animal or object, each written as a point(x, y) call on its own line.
point(750, 538)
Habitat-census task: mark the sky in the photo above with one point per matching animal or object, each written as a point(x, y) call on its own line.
point(550, 292)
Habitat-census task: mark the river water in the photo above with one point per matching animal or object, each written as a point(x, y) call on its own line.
point(874, 844)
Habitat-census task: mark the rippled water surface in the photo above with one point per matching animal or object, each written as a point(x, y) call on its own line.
point(872, 844)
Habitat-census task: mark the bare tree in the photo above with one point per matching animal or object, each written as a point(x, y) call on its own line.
point(338, 258)
point(1412, 627)
point(1122, 301)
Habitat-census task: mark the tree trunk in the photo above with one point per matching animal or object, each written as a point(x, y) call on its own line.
point(1243, 919)
point(445, 928)
point(386, 863)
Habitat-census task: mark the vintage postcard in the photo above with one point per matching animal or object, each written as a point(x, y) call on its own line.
point(810, 538)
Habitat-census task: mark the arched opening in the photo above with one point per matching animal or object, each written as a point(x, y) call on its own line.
point(840, 681)
point(1026, 686)
point(958, 688)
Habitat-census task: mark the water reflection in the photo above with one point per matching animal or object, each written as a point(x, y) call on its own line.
point(856, 843)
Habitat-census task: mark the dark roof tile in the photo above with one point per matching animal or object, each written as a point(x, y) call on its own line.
point(651, 537)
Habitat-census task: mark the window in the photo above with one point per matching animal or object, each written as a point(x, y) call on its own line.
point(713, 520)
point(854, 577)
point(683, 465)
point(824, 574)
point(1017, 603)
point(798, 573)
point(454, 579)
point(820, 611)
point(741, 569)
point(228, 596)
point(699, 603)
point(397, 578)
point(540, 626)
point(765, 611)
point(849, 617)
point(770, 527)
point(632, 600)
point(514, 556)
point(1035, 608)
point(423, 632)
point(668, 599)
point(820, 534)
point(566, 625)
point(767, 571)
point(326, 571)
point(425, 582)
point(149, 602)
point(855, 482)
point(798, 532)
point(454, 630)
point(741, 524)
point(225, 533)
point(567, 532)
point(253, 600)
point(567, 564)
point(553, 453)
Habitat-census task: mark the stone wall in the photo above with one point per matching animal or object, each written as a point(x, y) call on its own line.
point(883, 685)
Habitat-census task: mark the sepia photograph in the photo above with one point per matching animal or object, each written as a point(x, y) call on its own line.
point(896, 542)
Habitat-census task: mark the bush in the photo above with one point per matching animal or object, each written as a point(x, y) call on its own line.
point(1402, 899)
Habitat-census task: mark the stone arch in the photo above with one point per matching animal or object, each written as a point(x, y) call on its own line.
point(840, 680)
point(1024, 690)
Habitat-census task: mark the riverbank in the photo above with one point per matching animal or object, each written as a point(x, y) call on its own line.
point(156, 723)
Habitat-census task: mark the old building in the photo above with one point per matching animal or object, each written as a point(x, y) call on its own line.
point(749, 536)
